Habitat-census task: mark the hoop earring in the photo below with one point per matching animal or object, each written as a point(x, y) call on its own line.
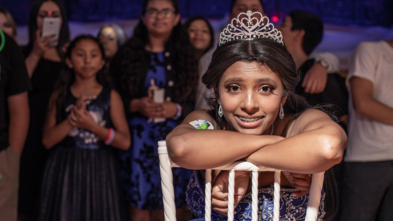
point(220, 114)
point(281, 113)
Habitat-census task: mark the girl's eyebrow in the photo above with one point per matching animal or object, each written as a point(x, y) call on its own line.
point(235, 79)
point(264, 80)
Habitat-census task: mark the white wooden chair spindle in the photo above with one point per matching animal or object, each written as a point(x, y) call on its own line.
point(168, 194)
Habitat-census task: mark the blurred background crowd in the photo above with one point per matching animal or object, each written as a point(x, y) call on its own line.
point(134, 48)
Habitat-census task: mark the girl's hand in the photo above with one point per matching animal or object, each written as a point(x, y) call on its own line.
point(84, 120)
point(149, 108)
point(220, 190)
point(42, 44)
point(72, 119)
point(77, 111)
point(169, 109)
point(302, 182)
point(65, 47)
point(83, 101)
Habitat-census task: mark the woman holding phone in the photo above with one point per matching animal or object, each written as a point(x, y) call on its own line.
point(44, 59)
point(158, 56)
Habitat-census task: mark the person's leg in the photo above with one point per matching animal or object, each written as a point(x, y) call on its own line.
point(364, 185)
point(385, 211)
point(338, 171)
point(9, 173)
point(157, 215)
point(136, 214)
point(186, 214)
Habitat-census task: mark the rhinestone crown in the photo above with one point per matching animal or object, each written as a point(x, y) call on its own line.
point(248, 26)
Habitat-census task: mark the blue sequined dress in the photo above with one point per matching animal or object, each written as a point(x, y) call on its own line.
point(291, 208)
point(140, 171)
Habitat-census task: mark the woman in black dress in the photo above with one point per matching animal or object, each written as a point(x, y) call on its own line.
point(43, 62)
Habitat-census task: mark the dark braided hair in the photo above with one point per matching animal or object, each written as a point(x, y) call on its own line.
point(136, 61)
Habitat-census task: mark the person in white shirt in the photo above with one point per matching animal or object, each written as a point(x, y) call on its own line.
point(368, 172)
point(314, 81)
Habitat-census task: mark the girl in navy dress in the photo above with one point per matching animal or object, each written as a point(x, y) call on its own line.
point(158, 56)
point(256, 116)
point(86, 120)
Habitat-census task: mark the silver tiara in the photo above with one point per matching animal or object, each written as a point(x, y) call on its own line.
point(247, 26)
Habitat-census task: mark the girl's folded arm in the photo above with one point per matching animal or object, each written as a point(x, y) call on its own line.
point(121, 137)
point(201, 149)
point(54, 133)
point(315, 144)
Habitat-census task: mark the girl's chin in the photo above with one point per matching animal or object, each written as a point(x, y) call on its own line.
point(250, 131)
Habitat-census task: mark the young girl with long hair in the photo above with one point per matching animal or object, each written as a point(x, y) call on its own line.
point(85, 121)
point(158, 56)
point(257, 117)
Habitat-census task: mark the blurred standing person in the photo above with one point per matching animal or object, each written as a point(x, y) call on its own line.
point(44, 63)
point(14, 121)
point(112, 37)
point(85, 122)
point(368, 170)
point(302, 31)
point(158, 56)
point(7, 23)
point(201, 34)
point(202, 38)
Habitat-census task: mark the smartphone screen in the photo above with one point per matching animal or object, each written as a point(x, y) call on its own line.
point(158, 97)
point(51, 26)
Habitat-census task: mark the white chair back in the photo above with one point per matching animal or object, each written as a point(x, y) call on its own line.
point(166, 166)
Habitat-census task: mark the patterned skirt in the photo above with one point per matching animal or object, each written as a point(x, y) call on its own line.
point(140, 170)
point(81, 184)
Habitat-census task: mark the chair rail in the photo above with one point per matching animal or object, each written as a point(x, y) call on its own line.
point(166, 166)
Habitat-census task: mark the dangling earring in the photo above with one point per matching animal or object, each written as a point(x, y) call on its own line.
point(281, 113)
point(220, 111)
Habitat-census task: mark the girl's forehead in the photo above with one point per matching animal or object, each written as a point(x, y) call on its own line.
point(108, 32)
point(198, 22)
point(247, 69)
point(160, 4)
point(86, 44)
point(49, 5)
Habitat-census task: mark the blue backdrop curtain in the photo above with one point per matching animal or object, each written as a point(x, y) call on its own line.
point(340, 12)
